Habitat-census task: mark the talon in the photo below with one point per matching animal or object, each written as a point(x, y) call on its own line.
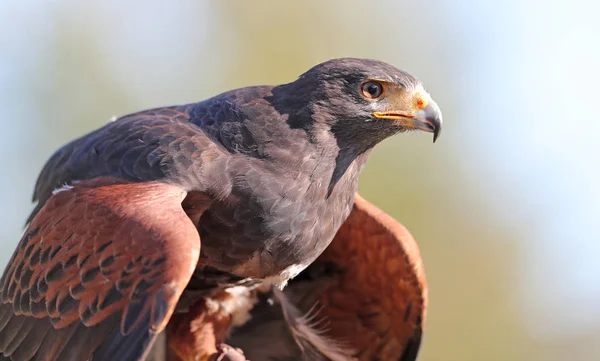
point(228, 353)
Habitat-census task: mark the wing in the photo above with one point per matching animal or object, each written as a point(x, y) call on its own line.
point(98, 273)
point(157, 144)
point(366, 293)
point(378, 302)
point(177, 144)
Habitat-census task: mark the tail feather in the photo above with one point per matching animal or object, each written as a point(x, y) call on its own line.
point(308, 331)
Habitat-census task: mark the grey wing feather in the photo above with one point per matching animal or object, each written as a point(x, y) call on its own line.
point(150, 145)
point(281, 332)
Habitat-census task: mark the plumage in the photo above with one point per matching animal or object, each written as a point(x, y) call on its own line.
point(365, 295)
point(85, 298)
point(264, 176)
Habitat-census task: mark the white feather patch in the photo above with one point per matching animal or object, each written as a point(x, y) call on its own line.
point(64, 188)
point(281, 280)
point(240, 302)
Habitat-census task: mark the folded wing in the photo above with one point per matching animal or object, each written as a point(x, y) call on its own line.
point(97, 273)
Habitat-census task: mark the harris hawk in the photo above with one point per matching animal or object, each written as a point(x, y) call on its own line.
point(171, 213)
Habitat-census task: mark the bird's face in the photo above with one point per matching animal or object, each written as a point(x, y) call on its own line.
point(405, 107)
point(371, 97)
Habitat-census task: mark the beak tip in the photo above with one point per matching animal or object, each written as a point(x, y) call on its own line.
point(432, 119)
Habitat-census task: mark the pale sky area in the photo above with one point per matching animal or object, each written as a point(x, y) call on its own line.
point(545, 60)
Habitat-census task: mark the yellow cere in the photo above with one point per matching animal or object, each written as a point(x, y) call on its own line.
point(420, 102)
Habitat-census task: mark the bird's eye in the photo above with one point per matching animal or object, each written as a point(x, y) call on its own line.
point(371, 89)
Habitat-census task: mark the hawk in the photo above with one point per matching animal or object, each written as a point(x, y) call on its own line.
point(149, 216)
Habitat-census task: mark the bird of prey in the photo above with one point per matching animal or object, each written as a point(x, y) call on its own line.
point(139, 220)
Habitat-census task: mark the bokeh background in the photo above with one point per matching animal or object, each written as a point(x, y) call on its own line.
point(504, 206)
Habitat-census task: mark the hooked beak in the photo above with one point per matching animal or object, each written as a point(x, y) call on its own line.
point(428, 119)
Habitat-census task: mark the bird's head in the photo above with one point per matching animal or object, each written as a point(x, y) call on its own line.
point(368, 100)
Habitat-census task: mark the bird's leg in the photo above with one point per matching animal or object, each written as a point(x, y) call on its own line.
point(228, 353)
point(199, 334)
point(194, 335)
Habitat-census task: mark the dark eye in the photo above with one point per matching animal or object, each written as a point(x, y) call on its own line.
point(371, 89)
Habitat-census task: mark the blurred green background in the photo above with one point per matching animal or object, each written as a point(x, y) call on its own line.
point(504, 205)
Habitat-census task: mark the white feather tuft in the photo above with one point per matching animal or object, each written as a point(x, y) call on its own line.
point(309, 333)
point(64, 188)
